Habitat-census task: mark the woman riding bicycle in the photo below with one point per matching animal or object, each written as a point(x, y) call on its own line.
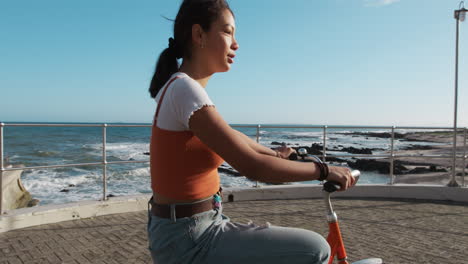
point(190, 139)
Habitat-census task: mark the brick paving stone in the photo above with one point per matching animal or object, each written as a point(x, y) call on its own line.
point(399, 231)
point(15, 260)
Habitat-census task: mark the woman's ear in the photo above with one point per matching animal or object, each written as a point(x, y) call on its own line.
point(197, 35)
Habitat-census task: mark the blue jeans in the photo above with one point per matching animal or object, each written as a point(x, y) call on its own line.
point(210, 237)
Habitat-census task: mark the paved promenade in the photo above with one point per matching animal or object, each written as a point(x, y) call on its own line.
point(399, 231)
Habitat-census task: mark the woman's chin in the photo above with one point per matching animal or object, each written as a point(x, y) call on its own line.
point(226, 68)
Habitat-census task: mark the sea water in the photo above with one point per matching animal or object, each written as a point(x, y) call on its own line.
point(39, 146)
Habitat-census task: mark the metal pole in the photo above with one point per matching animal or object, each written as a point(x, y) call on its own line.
point(464, 157)
point(104, 163)
point(258, 133)
point(453, 181)
point(1, 168)
point(258, 140)
point(324, 143)
point(392, 157)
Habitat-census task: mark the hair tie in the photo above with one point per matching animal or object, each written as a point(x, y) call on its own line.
point(171, 44)
point(173, 48)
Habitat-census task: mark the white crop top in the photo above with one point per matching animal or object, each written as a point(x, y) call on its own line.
point(183, 97)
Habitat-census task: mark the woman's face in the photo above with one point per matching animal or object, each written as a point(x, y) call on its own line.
point(219, 44)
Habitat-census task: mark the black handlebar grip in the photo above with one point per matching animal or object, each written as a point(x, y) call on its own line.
point(331, 186)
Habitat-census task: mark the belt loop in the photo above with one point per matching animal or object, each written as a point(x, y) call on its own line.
point(150, 206)
point(173, 213)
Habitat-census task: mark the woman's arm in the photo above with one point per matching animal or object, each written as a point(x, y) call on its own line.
point(208, 125)
point(258, 147)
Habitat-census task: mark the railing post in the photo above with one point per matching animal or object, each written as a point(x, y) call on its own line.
point(464, 157)
point(453, 182)
point(392, 157)
point(258, 134)
point(104, 163)
point(324, 143)
point(1, 168)
point(258, 141)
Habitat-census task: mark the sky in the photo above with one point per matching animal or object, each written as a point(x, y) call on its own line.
point(317, 62)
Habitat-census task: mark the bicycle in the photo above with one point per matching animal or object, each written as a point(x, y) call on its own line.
point(334, 239)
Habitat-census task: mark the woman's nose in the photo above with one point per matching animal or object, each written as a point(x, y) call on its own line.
point(235, 45)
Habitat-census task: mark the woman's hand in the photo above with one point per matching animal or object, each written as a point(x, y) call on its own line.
point(284, 151)
point(342, 176)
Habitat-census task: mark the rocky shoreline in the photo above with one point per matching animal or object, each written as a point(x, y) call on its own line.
point(415, 169)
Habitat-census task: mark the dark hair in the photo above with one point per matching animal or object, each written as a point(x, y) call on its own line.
point(202, 12)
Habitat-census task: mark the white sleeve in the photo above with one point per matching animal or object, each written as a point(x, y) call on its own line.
point(188, 96)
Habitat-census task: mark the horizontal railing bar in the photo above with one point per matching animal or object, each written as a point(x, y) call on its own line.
point(346, 127)
point(448, 128)
point(115, 125)
point(388, 156)
point(54, 125)
point(73, 125)
point(54, 166)
point(129, 161)
point(252, 126)
point(146, 161)
point(74, 165)
point(245, 126)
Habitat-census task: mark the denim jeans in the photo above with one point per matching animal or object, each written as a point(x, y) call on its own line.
point(210, 237)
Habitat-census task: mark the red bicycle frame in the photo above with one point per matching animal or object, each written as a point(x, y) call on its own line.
point(334, 239)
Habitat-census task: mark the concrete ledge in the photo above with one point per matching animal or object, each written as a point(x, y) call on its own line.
point(47, 214)
point(304, 191)
point(26, 217)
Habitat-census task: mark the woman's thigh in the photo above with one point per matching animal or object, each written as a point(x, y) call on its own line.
point(240, 243)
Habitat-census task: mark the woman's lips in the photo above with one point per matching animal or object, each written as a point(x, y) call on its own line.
point(231, 58)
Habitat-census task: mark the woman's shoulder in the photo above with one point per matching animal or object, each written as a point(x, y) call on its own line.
point(185, 86)
point(182, 80)
point(177, 84)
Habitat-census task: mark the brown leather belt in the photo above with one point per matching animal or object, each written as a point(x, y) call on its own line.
point(182, 210)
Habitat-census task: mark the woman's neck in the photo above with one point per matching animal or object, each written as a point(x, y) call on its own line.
point(195, 72)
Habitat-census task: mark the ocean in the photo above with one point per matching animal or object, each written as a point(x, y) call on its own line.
point(39, 146)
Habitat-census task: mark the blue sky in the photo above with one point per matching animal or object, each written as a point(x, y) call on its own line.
point(322, 62)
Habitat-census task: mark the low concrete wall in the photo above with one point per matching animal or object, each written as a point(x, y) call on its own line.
point(25, 217)
point(47, 214)
point(410, 191)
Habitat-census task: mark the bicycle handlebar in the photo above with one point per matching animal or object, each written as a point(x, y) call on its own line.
point(332, 186)
point(329, 186)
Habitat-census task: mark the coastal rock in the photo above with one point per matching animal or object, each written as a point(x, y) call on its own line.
point(276, 143)
point(376, 134)
point(426, 169)
point(377, 165)
point(418, 147)
point(64, 190)
point(14, 193)
point(354, 150)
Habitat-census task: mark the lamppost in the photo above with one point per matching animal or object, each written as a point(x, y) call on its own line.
point(460, 15)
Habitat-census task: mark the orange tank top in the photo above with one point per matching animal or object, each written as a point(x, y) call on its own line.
point(182, 167)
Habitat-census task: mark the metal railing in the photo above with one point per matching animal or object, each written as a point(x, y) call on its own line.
point(104, 161)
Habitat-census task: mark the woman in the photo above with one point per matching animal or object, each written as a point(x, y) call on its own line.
point(190, 140)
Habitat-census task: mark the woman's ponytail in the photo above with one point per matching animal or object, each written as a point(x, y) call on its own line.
point(166, 66)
